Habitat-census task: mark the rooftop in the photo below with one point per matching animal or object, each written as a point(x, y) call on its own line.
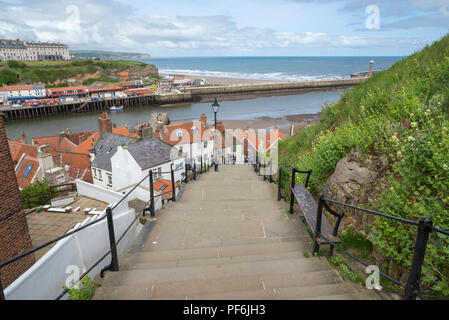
point(45, 226)
point(150, 153)
point(106, 147)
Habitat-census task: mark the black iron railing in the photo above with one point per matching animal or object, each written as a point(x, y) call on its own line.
point(114, 265)
point(425, 227)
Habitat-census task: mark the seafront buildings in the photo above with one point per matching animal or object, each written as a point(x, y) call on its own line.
point(33, 51)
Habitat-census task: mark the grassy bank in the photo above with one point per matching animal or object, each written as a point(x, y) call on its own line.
point(58, 71)
point(400, 118)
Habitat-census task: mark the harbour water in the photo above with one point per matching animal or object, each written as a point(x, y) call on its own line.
point(272, 107)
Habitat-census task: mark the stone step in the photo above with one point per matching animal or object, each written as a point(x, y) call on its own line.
point(182, 289)
point(131, 264)
point(292, 293)
point(275, 246)
point(242, 269)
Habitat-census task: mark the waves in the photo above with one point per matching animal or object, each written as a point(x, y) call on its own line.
point(277, 76)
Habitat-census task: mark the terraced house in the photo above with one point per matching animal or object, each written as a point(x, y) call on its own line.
point(32, 51)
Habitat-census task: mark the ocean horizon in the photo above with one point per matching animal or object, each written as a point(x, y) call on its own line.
point(277, 68)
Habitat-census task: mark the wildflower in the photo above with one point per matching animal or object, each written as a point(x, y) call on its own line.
point(413, 124)
point(427, 113)
point(399, 154)
point(445, 167)
point(410, 138)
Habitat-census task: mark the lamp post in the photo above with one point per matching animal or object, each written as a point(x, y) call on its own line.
point(215, 107)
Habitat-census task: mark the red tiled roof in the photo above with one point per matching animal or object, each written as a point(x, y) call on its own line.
point(53, 90)
point(17, 149)
point(168, 191)
point(169, 133)
point(17, 88)
point(79, 164)
point(79, 137)
point(56, 143)
point(270, 139)
point(85, 146)
point(22, 167)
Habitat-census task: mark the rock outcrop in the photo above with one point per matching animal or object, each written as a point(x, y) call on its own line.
point(351, 182)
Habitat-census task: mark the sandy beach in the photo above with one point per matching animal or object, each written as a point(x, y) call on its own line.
point(221, 81)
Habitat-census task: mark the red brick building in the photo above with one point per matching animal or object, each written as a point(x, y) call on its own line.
point(14, 235)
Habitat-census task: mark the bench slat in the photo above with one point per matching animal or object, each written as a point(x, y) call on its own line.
point(309, 209)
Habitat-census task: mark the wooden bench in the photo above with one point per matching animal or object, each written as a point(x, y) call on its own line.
point(313, 212)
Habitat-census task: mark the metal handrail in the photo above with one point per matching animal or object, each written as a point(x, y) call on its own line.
point(108, 216)
point(425, 227)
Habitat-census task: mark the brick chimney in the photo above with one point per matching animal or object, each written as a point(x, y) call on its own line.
point(24, 137)
point(15, 237)
point(105, 123)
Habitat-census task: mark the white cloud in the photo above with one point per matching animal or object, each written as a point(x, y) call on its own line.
point(111, 25)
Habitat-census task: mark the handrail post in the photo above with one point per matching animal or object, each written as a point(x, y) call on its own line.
point(113, 245)
point(335, 233)
point(152, 211)
point(307, 179)
point(279, 183)
point(271, 171)
point(292, 195)
point(185, 169)
point(2, 293)
point(173, 186)
point(319, 215)
point(412, 285)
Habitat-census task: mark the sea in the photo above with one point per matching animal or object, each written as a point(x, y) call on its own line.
point(260, 68)
point(271, 68)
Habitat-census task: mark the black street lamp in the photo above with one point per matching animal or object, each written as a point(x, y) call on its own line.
point(215, 107)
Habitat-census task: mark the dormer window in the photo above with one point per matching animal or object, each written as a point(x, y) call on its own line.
point(178, 133)
point(195, 130)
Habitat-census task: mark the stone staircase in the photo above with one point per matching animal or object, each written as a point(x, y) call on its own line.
point(227, 239)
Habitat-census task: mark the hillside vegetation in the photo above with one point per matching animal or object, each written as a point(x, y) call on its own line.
point(399, 118)
point(50, 72)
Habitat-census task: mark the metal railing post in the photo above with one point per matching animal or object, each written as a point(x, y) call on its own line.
point(201, 168)
point(307, 179)
point(194, 170)
point(292, 196)
point(279, 183)
point(271, 171)
point(173, 186)
point(185, 169)
point(2, 293)
point(412, 285)
point(152, 211)
point(335, 233)
point(317, 231)
point(114, 257)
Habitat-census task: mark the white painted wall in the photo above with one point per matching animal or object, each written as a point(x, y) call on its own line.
point(44, 280)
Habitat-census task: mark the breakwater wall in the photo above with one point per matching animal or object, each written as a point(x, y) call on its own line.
point(29, 112)
point(206, 93)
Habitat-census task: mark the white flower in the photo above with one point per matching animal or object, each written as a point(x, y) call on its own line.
point(399, 154)
point(413, 124)
point(410, 138)
point(445, 167)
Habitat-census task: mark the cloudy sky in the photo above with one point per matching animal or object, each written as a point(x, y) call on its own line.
point(231, 27)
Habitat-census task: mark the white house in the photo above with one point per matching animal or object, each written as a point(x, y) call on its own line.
point(105, 147)
point(133, 162)
point(22, 92)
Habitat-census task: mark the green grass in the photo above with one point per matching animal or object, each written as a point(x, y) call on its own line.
point(58, 71)
point(400, 118)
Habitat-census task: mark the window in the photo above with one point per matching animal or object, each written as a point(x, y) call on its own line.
point(178, 133)
point(205, 144)
point(159, 172)
point(109, 180)
point(195, 130)
point(100, 177)
point(95, 172)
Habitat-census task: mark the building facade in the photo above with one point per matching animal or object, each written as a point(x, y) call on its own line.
point(32, 51)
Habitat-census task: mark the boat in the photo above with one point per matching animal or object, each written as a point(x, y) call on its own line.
point(114, 108)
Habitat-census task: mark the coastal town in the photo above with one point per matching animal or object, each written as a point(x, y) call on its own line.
point(245, 152)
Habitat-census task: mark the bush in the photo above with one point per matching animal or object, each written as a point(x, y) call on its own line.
point(36, 194)
point(85, 291)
